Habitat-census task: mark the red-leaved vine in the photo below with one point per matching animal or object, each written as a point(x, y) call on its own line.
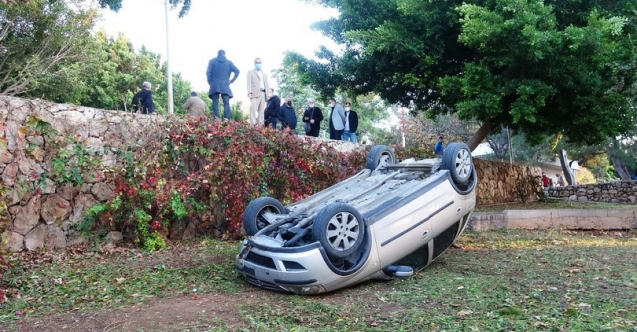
point(207, 172)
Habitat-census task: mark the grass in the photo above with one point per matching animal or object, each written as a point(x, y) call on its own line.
point(500, 281)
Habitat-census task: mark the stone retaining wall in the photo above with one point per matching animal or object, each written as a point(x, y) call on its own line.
point(613, 192)
point(574, 219)
point(500, 182)
point(43, 212)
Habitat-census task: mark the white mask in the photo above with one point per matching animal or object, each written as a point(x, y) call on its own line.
point(347, 109)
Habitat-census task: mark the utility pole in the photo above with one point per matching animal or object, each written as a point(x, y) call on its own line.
point(169, 73)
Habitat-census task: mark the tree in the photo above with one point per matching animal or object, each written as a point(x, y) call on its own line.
point(116, 5)
point(565, 68)
point(41, 42)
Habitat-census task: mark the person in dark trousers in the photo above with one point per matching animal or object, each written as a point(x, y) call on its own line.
point(143, 100)
point(312, 117)
point(337, 120)
point(219, 80)
point(439, 148)
point(272, 109)
point(287, 116)
point(351, 124)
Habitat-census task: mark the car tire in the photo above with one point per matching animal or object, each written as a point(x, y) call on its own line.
point(457, 160)
point(340, 229)
point(380, 155)
point(253, 220)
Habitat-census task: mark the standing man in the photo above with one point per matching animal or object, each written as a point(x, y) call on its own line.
point(337, 120)
point(257, 87)
point(195, 106)
point(351, 124)
point(219, 80)
point(273, 109)
point(143, 100)
point(439, 148)
point(312, 116)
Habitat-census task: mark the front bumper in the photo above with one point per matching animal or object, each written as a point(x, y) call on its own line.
point(300, 270)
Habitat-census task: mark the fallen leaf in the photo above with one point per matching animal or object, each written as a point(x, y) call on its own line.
point(463, 313)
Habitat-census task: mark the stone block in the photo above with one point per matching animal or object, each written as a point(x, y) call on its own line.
point(55, 209)
point(102, 191)
point(28, 216)
point(82, 203)
point(55, 238)
point(15, 241)
point(35, 239)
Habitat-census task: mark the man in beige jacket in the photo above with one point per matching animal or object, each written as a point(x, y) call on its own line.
point(195, 106)
point(257, 87)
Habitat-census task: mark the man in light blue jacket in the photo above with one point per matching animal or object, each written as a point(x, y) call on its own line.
point(337, 120)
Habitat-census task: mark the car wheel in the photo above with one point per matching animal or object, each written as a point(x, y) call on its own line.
point(380, 155)
point(457, 160)
point(340, 229)
point(253, 218)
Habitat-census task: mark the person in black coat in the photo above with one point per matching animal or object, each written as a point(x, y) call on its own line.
point(351, 124)
point(272, 109)
point(287, 116)
point(143, 100)
point(313, 117)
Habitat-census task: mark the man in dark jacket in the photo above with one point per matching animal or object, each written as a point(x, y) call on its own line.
point(287, 116)
point(143, 100)
point(313, 117)
point(219, 80)
point(351, 124)
point(272, 109)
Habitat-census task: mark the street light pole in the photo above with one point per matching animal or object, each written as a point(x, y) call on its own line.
point(169, 74)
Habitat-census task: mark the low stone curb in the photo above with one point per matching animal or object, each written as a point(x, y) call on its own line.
point(597, 219)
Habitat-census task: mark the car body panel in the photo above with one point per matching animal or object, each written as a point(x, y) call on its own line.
point(405, 208)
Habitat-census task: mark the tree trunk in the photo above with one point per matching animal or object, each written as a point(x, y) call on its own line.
point(621, 169)
point(480, 135)
point(569, 176)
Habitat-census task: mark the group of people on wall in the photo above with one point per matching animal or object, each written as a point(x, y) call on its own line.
point(265, 105)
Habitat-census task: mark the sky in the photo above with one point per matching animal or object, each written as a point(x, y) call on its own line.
point(245, 29)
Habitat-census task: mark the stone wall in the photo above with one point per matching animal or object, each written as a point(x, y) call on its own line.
point(500, 182)
point(612, 192)
point(42, 212)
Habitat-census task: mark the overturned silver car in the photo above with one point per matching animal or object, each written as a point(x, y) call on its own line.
point(382, 223)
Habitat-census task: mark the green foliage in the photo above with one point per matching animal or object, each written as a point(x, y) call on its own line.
point(116, 5)
point(584, 176)
point(44, 45)
point(522, 64)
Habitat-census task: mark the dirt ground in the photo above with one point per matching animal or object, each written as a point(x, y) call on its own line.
point(182, 313)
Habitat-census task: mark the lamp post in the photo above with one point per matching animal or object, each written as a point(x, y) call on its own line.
point(169, 74)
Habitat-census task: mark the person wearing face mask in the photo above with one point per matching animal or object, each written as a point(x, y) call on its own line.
point(337, 120)
point(257, 92)
point(351, 124)
point(273, 109)
point(312, 116)
point(287, 116)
